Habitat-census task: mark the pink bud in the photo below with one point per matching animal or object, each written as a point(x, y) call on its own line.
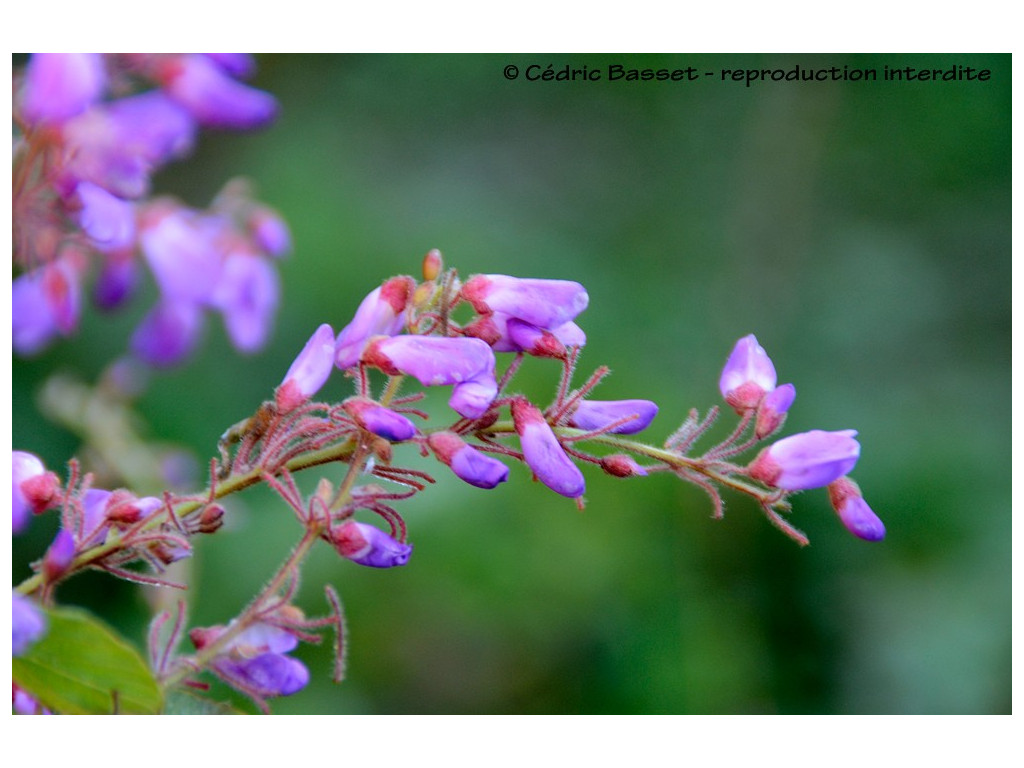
point(771, 413)
point(621, 465)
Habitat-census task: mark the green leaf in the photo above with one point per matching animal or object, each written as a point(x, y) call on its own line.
point(81, 667)
point(181, 702)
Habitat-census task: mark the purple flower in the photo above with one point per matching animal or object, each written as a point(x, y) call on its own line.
point(45, 303)
point(255, 661)
point(94, 516)
point(807, 460)
point(235, 64)
point(213, 97)
point(24, 704)
point(28, 624)
point(108, 220)
point(59, 555)
point(467, 462)
point(369, 545)
point(270, 232)
point(434, 361)
point(116, 281)
point(545, 304)
point(382, 421)
point(58, 86)
point(33, 488)
point(543, 453)
point(168, 333)
point(247, 295)
point(771, 413)
point(598, 414)
point(748, 375)
point(381, 313)
point(853, 511)
point(181, 251)
point(309, 372)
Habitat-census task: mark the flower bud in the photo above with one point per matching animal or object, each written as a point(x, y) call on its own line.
point(543, 303)
point(210, 519)
point(806, 460)
point(381, 313)
point(621, 465)
point(771, 413)
point(598, 414)
point(853, 511)
point(543, 453)
point(379, 420)
point(432, 264)
point(256, 660)
point(309, 371)
point(469, 464)
point(368, 545)
point(34, 488)
point(748, 375)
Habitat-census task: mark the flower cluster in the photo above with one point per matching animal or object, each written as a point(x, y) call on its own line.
point(87, 143)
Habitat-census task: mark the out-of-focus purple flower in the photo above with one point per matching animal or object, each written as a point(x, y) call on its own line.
point(247, 295)
point(469, 464)
point(853, 511)
point(771, 413)
point(369, 545)
point(59, 555)
point(168, 333)
point(381, 313)
point(117, 280)
point(543, 453)
point(806, 460)
point(270, 232)
point(309, 372)
point(621, 465)
point(58, 86)
point(748, 375)
point(545, 304)
point(235, 64)
point(182, 254)
point(33, 487)
point(381, 421)
point(45, 303)
point(435, 361)
point(22, 703)
point(28, 624)
point(598, 414)
point(255, 661)
point(213, 97)
point(108, 220)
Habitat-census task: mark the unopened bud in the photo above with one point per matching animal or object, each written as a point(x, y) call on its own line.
point(621, 465)
point(59, 556)
point(432, 264)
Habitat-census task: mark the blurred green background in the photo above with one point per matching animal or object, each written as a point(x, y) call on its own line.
point(860, 229)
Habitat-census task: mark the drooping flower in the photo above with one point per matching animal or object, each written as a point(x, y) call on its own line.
point(256, 661)
point(853, 511)
point(598, 414)
point(381, 313)
point(28, 624)
point(546, 304)
point(368, 545)
point(58, 86)
point(384, 422)
point(469, 464)
point(434, 361)
point(748, 375)
point(543, 453)
point(309, 372)
point(806, 460)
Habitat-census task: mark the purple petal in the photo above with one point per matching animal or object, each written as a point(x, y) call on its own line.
point(28, 624)
point(368, 545)
point(543, 453)
point(478, 468)
point(597, 414)
point(748, 374)
point(269, 674)
point(58, 86)
point(168, 333)
point(381, 313)
point(310, 370)
point(247, 295)
point(544, 303)
point(108, 220)
point(215, 99)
